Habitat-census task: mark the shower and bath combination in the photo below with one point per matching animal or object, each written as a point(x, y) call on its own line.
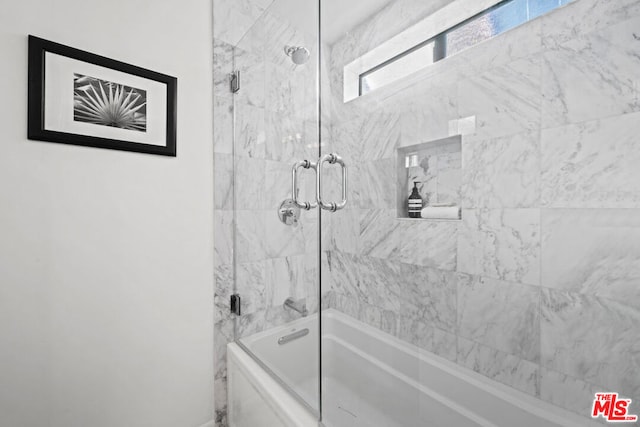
point(356, 313)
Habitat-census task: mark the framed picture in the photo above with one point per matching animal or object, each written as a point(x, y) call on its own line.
point(77, 97)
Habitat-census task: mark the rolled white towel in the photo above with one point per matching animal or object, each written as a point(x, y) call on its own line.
point(441, 212)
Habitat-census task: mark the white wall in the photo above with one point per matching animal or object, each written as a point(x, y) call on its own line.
point(106, 257)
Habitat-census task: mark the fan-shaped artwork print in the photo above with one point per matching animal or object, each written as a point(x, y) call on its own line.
point(106, 103)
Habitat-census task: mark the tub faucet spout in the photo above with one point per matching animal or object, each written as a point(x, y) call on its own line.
point(300, 306)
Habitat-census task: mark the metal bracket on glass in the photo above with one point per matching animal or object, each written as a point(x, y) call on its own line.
point(234, 304)
point(234, 82)
point(306, 164)
point(332, 158)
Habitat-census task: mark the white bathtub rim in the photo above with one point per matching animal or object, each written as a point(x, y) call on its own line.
point(511, 395)
point(295, 324)
point(274, 394)
point(517, 398)
point(416, 385)
point(281, 378)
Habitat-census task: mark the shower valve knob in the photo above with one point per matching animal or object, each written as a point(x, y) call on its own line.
point(289, 213)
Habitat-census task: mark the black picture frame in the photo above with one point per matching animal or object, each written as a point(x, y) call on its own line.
point(37, 126)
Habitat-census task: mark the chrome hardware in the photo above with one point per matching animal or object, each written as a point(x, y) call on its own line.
point(234, 82)
point(306, 164)
point(293, 336)
point(234, 304)
point(300, 306)
point(298, 54)
point(331, 206)
point(289, 213)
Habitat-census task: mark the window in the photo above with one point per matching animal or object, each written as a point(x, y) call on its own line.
point(414, 59)
point(495, 20)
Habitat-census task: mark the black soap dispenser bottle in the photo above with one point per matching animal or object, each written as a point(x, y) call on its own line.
point(415, 202)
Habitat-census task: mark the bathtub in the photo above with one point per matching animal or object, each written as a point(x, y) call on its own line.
point(369, 379)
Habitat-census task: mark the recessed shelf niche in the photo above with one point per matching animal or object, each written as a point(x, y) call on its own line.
point(437, 168)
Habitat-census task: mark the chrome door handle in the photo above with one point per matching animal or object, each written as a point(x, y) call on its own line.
point(306, 164)
point(332, 159)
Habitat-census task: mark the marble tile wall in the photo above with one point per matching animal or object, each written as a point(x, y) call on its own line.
point(538, 287)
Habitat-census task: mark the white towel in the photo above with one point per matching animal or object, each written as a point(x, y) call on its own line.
point(441, 212)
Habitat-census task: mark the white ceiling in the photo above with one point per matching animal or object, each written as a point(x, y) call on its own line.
point(338, 16)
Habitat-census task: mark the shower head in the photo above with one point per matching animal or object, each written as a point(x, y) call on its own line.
point(298, 54)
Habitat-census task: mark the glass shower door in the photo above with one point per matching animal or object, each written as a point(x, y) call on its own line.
point(276, 238)
point(370, 293)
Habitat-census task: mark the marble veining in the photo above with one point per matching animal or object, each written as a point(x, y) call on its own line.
point(520, 42)
point(223, 223)
point(250, 236)
point(222, 67)
point(287, 91)
point(357, 309)
point(223, 176)
point(279, 239)
point(567, 391)
point(224, 278)
point(424, 293)
point(277, 185)
point(372, 184)
point(285, 277)
point(584, 17)
point(285, 137)
point(428, 337)
point(501, 172)
point(501, 315)
point(344, 228)
point(592, 251)
point(249, 183)
point(253, 77)
point(279, 31)
point(505, 100)
point(501, 243)
point(251, 285)
point(425, 243)
point(223, 130)
point(499, 366)
point(250, 131)
point(232, 18)
point(593, 76)
point(591, 338)
point(417, 331)
point(223, 334)
point(372, 137)
point(592, 164)
point(220, 395)
point(449, 178)
point(426, 117)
